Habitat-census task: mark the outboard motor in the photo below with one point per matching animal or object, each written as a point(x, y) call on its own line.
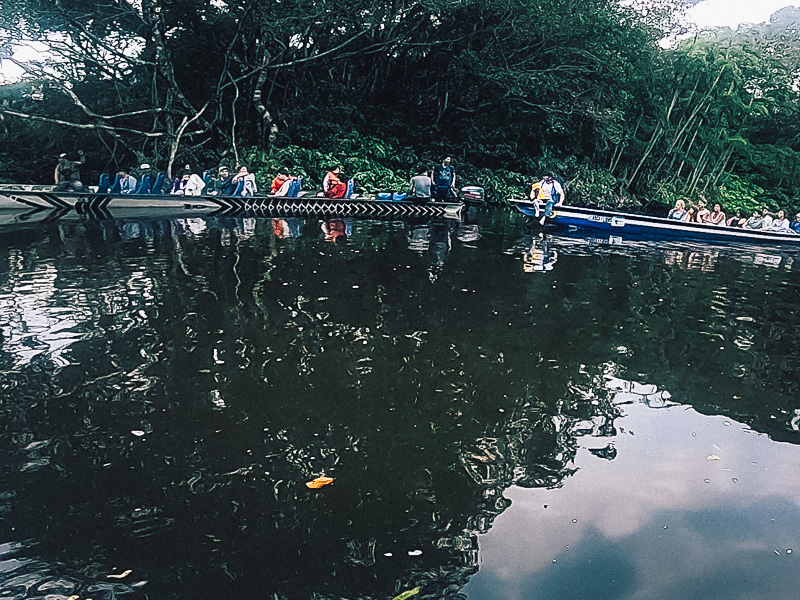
point(472, 194)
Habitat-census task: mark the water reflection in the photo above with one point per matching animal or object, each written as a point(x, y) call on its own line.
point(662, 520)
point(289, 227)
point(173, 383)
point(540, 256)
point(434, 238)
point(337, 230)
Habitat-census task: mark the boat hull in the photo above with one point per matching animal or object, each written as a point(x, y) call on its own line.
point(91, 202)
point(644, 226)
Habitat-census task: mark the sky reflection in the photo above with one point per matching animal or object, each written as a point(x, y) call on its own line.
point(661, 520)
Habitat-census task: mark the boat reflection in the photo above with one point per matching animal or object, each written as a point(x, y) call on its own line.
point(468, 233)
point(540, 251)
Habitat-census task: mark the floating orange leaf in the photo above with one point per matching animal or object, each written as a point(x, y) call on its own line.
point(317, 483)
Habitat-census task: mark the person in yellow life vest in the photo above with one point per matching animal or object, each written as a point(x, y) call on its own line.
point(553, 194)
point(536, 192)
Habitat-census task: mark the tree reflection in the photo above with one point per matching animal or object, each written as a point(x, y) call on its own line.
point(221, 364)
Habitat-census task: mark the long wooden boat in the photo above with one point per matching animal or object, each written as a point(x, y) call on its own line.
point(41, 196)
point(644, 226)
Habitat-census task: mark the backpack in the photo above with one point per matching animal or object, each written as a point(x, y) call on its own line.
point(295, 187)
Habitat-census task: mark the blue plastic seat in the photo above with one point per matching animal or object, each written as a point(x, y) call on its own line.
point(115, 189)
point(104, 184)
point(144, 185)
point(158, 185)
point(295, 187)
point(350, 187)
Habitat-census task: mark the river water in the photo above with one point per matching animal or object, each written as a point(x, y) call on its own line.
point(503, 414)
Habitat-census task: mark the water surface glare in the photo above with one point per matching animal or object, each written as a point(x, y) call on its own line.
point(503, 414)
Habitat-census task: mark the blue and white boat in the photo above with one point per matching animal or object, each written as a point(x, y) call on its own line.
point(575, 218)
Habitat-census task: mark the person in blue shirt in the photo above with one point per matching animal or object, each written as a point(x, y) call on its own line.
point(444, 179)
point(795, 225)
point(223, 185)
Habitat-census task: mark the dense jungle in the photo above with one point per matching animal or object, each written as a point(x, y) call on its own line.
point(612, 95)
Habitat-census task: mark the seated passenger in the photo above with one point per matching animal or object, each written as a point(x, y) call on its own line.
point(767, 218)
point(679, 212)
point(781, 224)
point(691, 215)
point(249, 187)
point(421, 185)
point(553, 194)
point(280, 185)
point(195, 186)
point(717, 217)
point(738, 220)
point(180, 182)
point(332, 186)
point(127, 182)
point(74, 184)
point(755, 222)
point(66, 167)
point(222, 185)
point(703, 214)
point(795, 225)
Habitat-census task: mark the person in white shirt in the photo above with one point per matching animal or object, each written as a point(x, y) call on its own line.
point(195, 186)
point(767, 218)
point(127, 182)
point(249, 188)
point(552, 193)
point(781, 224)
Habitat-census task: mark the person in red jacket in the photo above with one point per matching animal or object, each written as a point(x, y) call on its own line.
point(332, 186)
point(280, 185)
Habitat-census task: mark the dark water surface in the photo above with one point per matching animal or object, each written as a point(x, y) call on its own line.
point(505, 416)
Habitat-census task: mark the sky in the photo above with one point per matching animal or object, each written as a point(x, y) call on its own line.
point(732, 13)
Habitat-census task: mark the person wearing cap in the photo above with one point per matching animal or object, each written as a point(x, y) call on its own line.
point(222, 185)
point(127, 182)
point(65, 168)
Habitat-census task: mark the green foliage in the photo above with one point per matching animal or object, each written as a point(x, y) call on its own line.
point(736, 192)
point(374, 164)
point(593, 186)
point(510, 88)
